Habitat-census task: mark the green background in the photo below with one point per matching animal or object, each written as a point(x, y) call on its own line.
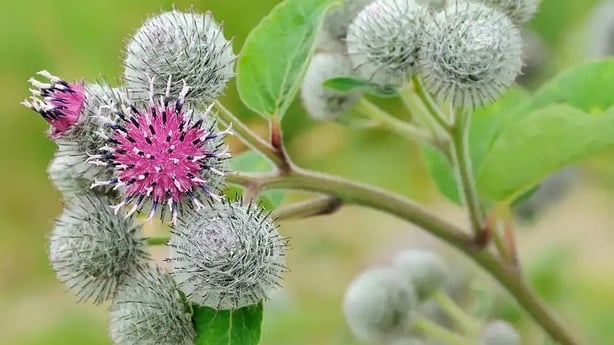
point(567, 252)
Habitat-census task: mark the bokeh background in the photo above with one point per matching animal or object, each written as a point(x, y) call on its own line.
point(567, 249)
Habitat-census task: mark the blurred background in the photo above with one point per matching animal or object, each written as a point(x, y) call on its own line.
point(566, 238)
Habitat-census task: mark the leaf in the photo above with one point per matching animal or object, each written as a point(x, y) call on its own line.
point(539, 144)
point(228, 327)
point(443, 174)
point(587, 87)
point(349, 84)
point(253, 162)
point(485, 124)
point(276, 54)
point(250, 161)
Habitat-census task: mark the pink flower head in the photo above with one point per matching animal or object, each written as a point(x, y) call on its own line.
point(59, 102)
point(161, 154)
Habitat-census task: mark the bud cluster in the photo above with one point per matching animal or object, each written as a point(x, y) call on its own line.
point(467, 52)
point(152, 145)
point(386, 304)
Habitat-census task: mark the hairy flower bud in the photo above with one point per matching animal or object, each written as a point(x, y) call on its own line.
point(334, 30)
point(378, 305)
point(227, 256)
point(148, 310)
point(519, 11)
point(424, 269)
point(188, 47)
point(384, 39)
point(321, 102)
point(59, 171)
point(470, 55)
point(498, 333)
point(91, 249)
point(59, 102)
point(163, 153)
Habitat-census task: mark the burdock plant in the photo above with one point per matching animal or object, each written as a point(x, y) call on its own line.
point(155, 146)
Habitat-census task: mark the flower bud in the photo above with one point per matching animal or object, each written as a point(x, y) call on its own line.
point(59, 102)
point(424, 269)
point(470, 55)
point(323, 103)
point(378, 305)
point(92, 249)
point(64, 173)
point(334, 30)
point(519, 11)
point(189, 47)
point(498, 333)
point(384, 39)
point(227, 256)
point(163, 153)
point(148, 310)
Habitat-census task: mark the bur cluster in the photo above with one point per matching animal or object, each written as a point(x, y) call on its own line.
point(149, 148)
point(465, 53)
point(387, 304)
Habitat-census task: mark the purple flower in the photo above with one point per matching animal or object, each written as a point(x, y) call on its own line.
point(59, 102)
point(163, 154)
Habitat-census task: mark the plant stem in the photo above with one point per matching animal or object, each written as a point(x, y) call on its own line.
point(366, 108)
point(359, 194)
point(248, 137)
point(464, 175)
point(431, 106)
point(456, 313)
point(157, 241)
point(438, 332)
point(309, 208)
point(416, 108)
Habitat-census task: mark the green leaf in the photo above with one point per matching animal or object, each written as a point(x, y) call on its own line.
point(485, 124)
point(443, 174)
point(228, 327)
point(253, 162)
point(539, 144)
point(276, 54)
point(349, 84)
point(587, 87)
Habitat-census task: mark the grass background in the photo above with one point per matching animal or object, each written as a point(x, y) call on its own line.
point(567, 252)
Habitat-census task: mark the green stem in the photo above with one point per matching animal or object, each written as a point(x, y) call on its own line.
point(419, 113)
point(158, 241)
point(247, 136)
point(431, 106)
point(438, 332)
point(309, 208)
point(366, 108)
point(456, 313)
point(359, 194)
point(464, 173)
